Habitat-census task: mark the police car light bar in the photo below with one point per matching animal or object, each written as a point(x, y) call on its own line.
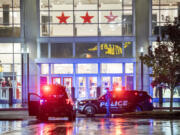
point(117, 89)
point(46, 88)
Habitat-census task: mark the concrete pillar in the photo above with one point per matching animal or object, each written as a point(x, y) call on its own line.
point(142, 9)
point(30, 40)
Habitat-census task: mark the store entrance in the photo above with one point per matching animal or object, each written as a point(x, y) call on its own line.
point(87, 87)
point(111, 82)
point(65, 81)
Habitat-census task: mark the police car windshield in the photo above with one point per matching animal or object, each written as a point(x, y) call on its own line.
point(56, 92)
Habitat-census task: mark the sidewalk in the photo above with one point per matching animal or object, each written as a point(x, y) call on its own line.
point(167, 104)
point(14, 107)
point(14, 115)
point(176, 105)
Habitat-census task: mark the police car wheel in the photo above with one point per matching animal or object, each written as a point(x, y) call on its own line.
point(90, 111)
point(138, 109)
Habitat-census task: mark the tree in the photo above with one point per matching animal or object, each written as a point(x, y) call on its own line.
point(165, 58)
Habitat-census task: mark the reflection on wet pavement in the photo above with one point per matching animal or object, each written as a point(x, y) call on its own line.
point(92, 126)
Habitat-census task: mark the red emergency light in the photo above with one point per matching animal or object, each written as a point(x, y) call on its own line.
point(117, 89)
point(46, 88)
point(136, 93)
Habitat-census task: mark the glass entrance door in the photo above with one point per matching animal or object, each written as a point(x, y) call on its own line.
point(87, 87)
point(65, 81)
point(92, 86)
point(105, 83)
point(111, 82)
point(56, 80)
point(82, 87)
point(117, 83)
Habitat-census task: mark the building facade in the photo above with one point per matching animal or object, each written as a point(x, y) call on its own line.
point(83, 44)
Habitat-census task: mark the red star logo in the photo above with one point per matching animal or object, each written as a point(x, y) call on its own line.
point(111, 18)
point(62, 18)
point(87, 18)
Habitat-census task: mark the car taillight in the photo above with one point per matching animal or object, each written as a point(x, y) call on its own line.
point(46, 88)
point(135, 93)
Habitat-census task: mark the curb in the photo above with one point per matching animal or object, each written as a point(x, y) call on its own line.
point(13, 109)
point(26, 109)
point(12, 114)
point(166, 108)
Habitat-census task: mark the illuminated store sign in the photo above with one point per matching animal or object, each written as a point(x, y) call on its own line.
point(111, 48)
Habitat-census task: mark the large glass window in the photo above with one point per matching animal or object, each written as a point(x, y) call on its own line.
point(111, 50)
point(129, 68)
point(86, 50)
point(61, 50)
point(107, 50)
point(166, 92)
point(129, 83)
point(87, 68)
point(111, 68)
point(163, 11)
point(128, 49)
point(6, 48)
point(85, 18)
point(82, 87)
point(10, 18)
point(10, 70)
point(44, 68)
point(62, 69)
point(117, 83)
point(44, 50)
point(105, 83)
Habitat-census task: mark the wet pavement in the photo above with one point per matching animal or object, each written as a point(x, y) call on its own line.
point(155, 104)
point(92, 126)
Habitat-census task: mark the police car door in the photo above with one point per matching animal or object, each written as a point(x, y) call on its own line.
point(119, 102)
point(115, 103)
point(33, 104)
point(103, 103)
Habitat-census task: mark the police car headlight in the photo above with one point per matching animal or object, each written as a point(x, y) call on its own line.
point(82, 102)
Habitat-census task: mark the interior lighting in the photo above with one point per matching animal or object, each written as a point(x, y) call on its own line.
point(141, 50)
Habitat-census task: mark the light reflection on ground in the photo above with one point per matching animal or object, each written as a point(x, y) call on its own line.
point(92, 126)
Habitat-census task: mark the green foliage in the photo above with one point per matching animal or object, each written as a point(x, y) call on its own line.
point(165, 59)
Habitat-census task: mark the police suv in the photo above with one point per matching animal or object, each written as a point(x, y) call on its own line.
point(120, 102)
point(53, 102)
